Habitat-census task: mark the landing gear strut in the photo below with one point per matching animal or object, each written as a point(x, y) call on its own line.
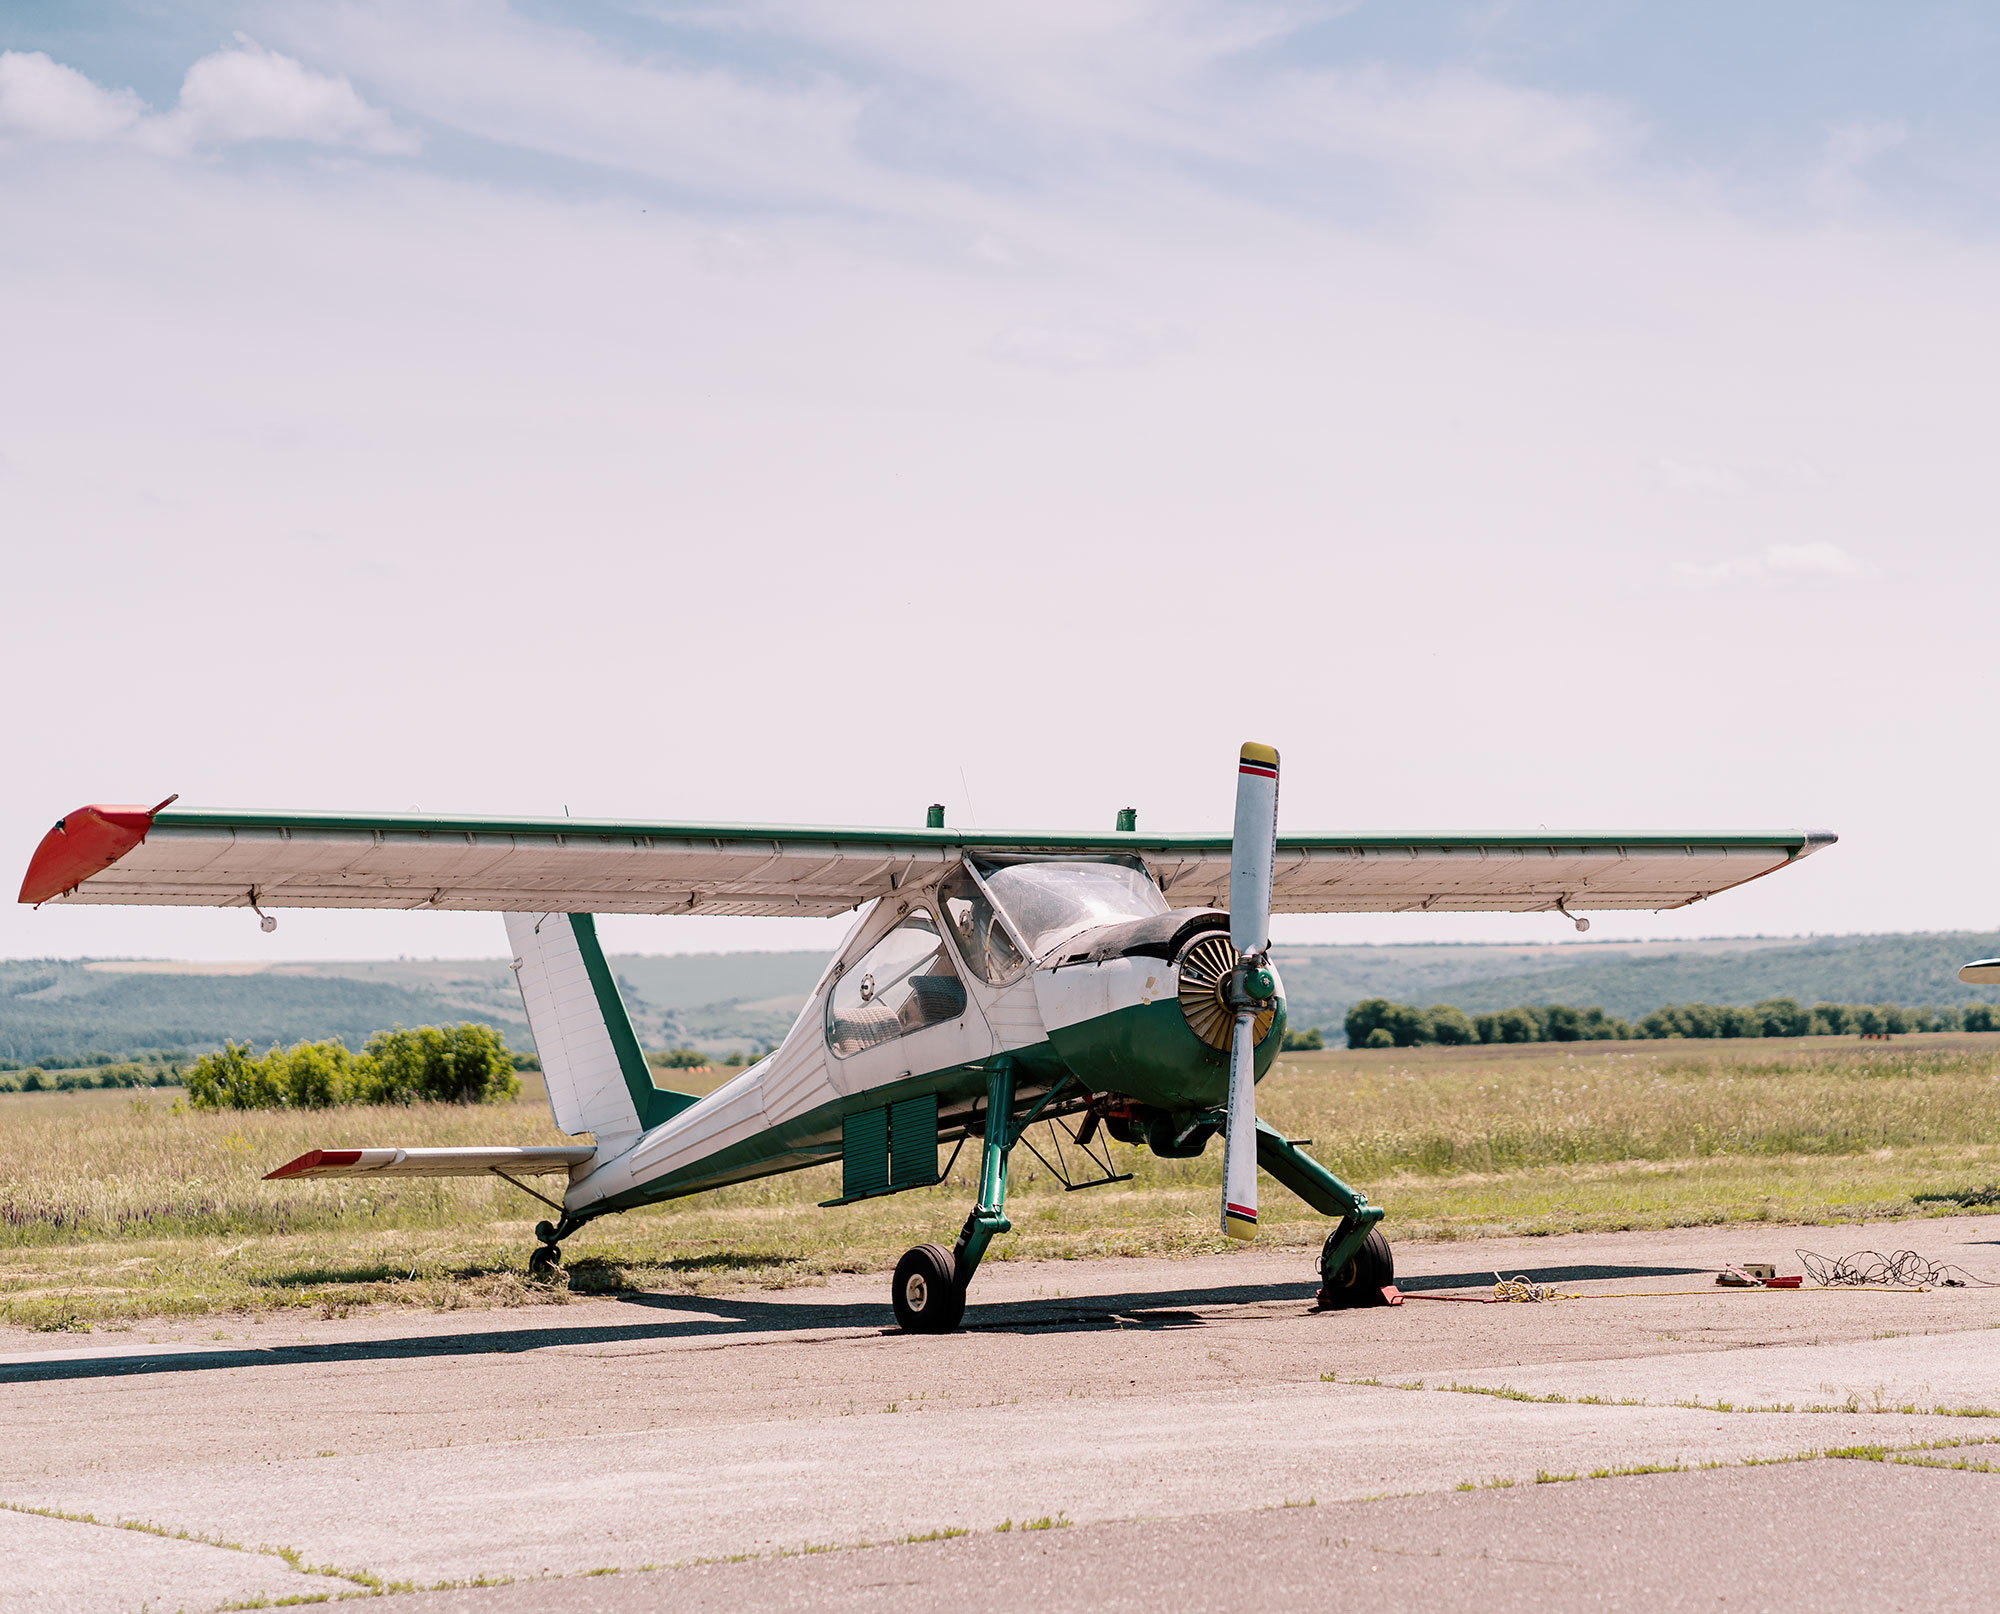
point(928, 1291)
point(1355, 1266)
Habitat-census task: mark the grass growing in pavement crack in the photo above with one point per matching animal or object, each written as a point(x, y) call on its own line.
point(1853, 1403)
point(289, 1556)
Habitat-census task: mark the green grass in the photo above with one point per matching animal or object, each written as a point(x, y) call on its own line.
point(118, 1206)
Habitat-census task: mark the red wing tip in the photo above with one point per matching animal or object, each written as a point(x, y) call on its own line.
point(313, 1160)
point(83, 843)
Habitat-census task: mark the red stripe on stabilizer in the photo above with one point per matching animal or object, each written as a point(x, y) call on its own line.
point(85, 842)
point(1259, 769)
point(312, 1160)
point(1239, 1212)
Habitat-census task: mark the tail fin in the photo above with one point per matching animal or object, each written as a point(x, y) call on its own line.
point(597, 1077)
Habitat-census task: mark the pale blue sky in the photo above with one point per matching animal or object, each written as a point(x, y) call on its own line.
point(1522, 415)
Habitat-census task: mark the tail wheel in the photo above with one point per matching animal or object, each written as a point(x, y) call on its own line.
point(1361, 1278)
point(545, 1259)
point(926, 1293)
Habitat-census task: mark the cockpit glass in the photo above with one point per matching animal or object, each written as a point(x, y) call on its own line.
point(983, 942)
point(1049, 902)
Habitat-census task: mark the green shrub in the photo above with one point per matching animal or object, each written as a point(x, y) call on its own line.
point(1379, 1038)
point(1448, 1026)
point(462, 1064)
point(1303, 1042)
point(1365, 1017)
point(678, 1058)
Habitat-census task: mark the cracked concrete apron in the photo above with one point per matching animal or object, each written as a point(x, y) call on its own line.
point(655, 1430)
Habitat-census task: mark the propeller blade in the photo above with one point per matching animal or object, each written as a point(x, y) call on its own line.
point(1252, 851)
point(1253, 848)
point(1239, 1142)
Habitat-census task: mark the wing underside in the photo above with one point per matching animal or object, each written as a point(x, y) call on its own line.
point(203, 858)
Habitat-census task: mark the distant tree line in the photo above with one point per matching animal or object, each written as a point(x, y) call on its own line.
point(111, 1073)
point(1379, 1023)
point(695, 1059)
point(461, 1064)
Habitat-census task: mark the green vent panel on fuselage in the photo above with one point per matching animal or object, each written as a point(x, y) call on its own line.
point(913, 1126)
point(884, 1151)
point(864, 1154)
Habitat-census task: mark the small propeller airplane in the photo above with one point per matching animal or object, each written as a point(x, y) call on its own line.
point(992, 981)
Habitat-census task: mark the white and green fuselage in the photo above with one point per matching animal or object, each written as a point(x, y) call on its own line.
point(899, 1039)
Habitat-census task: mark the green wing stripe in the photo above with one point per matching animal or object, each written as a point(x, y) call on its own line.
point(1793, 842)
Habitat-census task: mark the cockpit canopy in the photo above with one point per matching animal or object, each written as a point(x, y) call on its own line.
point(1006, 915)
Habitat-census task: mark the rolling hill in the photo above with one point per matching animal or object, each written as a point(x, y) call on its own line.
point(55, 1010)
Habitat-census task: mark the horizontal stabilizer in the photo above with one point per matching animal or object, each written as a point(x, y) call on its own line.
point(433, 1162)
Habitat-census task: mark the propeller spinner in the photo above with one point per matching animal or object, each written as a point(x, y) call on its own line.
point(1253, 849)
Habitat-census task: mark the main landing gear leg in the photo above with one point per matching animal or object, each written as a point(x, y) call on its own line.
point(546, 1259)
point(1356, 1267)
point(928, 1291)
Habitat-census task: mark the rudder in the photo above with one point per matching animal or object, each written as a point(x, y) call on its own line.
point(597, 1076)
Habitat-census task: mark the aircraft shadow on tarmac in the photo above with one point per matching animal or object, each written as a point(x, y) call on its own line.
point(747, 1319)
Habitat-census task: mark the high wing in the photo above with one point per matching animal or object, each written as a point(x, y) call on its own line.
point(206, 857)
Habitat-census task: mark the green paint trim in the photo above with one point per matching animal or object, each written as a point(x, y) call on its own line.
point(1306, 1177)
point(651, 1104)
point(1147, 1050)
point(217, 820)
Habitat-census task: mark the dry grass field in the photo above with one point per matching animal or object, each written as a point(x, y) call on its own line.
point(119, 1206)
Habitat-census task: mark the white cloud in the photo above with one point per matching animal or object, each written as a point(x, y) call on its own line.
point(236, 95)
point(41, 99)
point(1779, 562)
point(250, 93)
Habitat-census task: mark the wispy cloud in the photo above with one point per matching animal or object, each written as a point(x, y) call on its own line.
point(42, 100)
point(233, 96)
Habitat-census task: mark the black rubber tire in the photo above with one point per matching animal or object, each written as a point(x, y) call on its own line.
point(544, 1261)
point(1363, 1276)
point(926, 1293)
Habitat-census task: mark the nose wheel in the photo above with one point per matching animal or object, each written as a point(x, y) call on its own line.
point(926, 1293)
point(1359, 1280)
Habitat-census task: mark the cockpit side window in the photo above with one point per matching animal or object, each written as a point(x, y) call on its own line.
point(902, 984)
point(982, 937)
